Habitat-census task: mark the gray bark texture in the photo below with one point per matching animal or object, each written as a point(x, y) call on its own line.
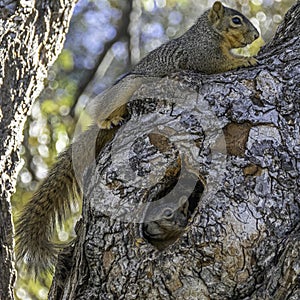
point(231, 144)
point(31, 36)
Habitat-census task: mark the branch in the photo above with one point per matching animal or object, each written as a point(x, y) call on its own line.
point(122, 31)
point(31, 38)
point(286, 33)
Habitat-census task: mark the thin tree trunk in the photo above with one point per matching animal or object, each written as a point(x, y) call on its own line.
point(230, 143)
point(32, 35)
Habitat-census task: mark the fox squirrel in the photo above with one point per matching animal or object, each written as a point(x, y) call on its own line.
point(170, 220)
point(206, 48)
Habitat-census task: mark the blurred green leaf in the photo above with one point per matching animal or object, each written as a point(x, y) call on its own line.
point(65, 60)
point(49, 107)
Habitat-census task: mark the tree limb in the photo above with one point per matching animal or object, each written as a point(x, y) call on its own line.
point(31, 38)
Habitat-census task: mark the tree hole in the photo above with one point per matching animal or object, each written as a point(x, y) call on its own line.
point(169, 213)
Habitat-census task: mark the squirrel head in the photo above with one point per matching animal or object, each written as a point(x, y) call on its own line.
point(235, 28)
point(169, 221)
point(174, 215)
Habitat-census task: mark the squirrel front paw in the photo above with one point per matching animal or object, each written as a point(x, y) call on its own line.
point(110, 122)
point(250, 61)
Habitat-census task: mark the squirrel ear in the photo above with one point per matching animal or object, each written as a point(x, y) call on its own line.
point(216, 12)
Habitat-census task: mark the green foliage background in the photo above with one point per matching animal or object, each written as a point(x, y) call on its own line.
point(50, 127)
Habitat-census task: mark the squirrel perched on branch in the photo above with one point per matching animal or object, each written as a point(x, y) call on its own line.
point(206, 48)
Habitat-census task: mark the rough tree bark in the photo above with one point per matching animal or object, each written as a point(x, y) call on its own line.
point(32, 34)
point(236, 138)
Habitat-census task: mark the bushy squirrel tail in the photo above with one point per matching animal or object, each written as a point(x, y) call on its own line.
point(51, 202)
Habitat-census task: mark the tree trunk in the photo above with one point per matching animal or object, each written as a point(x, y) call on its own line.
point(230, 143)
point(32, 35)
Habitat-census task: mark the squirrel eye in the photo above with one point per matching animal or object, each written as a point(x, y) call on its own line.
point(168, 213)
point(236, 20)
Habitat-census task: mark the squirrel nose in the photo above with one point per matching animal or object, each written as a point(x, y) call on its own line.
point(256, 35)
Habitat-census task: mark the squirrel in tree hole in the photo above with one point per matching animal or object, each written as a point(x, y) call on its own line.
point(167, 222)
point(205, 48)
